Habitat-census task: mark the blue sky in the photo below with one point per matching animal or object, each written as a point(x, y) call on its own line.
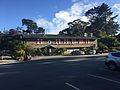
point(53, 15)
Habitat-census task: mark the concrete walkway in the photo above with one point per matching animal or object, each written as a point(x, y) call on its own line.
point(49, 57)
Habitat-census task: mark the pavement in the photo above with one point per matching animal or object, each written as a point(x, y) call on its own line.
point(9, 60)
point(68, 73)
point(50, 57)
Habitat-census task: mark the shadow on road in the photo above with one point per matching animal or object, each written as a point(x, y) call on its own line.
point(50, 74)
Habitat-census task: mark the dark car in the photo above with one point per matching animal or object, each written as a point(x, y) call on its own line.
point(76, 52)
point(99, 52)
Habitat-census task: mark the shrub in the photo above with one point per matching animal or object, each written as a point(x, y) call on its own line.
point(103, 47)
point(85, 50)
point(38, 51)
point(29, 51)
point(19, 54)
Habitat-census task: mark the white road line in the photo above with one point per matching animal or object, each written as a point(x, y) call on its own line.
point(107, 70)
point(95, 76)
point(72, 86)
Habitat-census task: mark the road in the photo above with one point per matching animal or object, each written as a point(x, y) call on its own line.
point(71, 73)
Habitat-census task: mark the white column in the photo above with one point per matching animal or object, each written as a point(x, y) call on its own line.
point(72, 41)
point(56, 41)
point(67, 41)
point(41, 41)
point(59, 41)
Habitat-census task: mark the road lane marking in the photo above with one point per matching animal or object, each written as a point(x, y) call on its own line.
point(107, 79)
point(107, 70)
point(72, 86)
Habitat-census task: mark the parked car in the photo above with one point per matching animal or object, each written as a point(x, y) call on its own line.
point(91, 52)
point(99, 52)
point(113, 60)
point(77, 52)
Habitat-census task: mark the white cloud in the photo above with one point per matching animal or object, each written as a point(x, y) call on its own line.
point(46, 24)
point(116, 8)
point(59, 22)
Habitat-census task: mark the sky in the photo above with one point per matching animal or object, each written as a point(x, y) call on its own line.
point(52, 15)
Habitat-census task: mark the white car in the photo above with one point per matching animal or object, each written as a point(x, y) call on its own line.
point(113, 60)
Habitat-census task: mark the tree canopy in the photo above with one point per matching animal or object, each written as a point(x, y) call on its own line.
point(101, 23)
point(32, 26)
point(77, 27)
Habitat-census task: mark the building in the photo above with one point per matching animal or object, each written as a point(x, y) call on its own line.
point(70, 43)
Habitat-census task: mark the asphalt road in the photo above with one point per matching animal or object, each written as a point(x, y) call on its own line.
point(71, 73)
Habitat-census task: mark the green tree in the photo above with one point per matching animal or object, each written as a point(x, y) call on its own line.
point(18, 54)
point(32, 27)
point(30, 24)
point(13, 32)
point(76, 28)
point(103, 47)
point(102, 20)
point(110, 42)
point(17, 48)
point(118, 37)
point(39, 30)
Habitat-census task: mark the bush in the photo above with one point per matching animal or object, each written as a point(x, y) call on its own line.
point(18, 54)
point(44, 52)
point(109, 42)
point(38, 51)
point(103, 47)
point(29, 51)
point(85, 50)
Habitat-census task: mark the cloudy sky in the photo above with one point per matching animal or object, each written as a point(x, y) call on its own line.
point(53, 15)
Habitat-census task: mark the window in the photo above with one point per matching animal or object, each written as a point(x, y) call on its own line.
point(117, 54)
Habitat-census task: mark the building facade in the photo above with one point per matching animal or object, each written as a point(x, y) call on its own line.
point(69, 43)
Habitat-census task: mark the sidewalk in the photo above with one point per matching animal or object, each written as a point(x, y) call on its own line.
point(8, 60)
point(50, 57)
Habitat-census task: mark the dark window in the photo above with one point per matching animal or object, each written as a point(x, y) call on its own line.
point(117, 54)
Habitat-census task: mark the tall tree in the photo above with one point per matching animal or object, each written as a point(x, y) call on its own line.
point(102, 21)
point(40, 30)
point(19, 29)
point(30, 24)
point(76, 28)
point(14, 32)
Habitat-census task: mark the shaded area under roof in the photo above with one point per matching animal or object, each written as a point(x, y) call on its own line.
point(52, 36)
